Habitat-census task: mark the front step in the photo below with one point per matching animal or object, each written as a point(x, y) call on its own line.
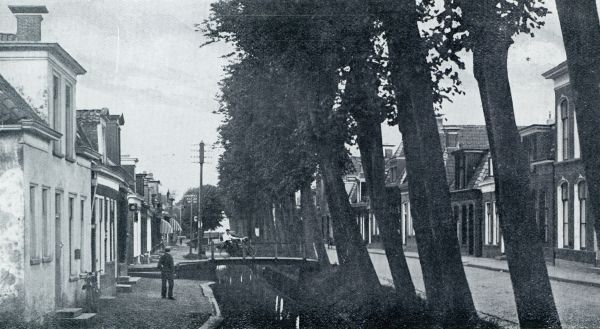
point(124, 288)
point(79, 321)
point(134, 280)
point(123, 279)
point(107, 297)
point(68, 313)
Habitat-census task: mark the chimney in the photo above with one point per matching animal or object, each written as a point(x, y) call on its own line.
point(29, 22)
point(439, 118)
point(388, 153)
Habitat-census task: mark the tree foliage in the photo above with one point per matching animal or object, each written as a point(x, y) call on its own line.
point(213, 207)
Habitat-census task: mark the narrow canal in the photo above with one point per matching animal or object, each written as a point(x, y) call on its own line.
point(267, 297)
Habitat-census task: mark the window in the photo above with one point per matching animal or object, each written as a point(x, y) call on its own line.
point(564, 116)
point(106, 233)
point(451, 139)
point(456, 217)
point(496, 224)
point(489, 237)
point(582, 192)
point(45, 225)
point(81, 235)
point(409, 225)
point(57, 219)
point(112, 230)
point(564, 197)
point(69, 128)
point(463, 225)
point(460, 172)
point(33, 225)
point(71, 235)
point(542, 209)
point(56, 110)
point(491, 167)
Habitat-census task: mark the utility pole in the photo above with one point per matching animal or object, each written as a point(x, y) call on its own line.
point(200, 224)
point(190, 198)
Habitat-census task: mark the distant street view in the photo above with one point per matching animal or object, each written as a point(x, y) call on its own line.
point(300, 164)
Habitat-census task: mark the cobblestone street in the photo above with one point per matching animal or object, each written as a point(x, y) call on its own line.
point(143, 308)
point(577, 304)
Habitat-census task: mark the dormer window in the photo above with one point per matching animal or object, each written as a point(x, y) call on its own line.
point(451, 139)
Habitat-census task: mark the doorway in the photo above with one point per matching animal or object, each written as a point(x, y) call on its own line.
point(93, 234)
point(58, 250)
point(471, 230)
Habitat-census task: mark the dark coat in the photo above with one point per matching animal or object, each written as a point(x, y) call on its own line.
point(166, 265)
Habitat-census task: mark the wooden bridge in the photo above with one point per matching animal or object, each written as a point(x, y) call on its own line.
point(272, 254)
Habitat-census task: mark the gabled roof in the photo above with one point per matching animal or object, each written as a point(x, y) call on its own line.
point(13, 108)
point(480, 173)
point(557, 71)
point(470, 136)
point(83, 146)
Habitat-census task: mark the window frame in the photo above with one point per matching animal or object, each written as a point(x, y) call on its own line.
point(46, 241)
point(56, 111)
point(69, 121)
point(34, 252)
point(583, 195)
point(71, 220)
point(564, 198)
point(81, 234)
point(564, 118)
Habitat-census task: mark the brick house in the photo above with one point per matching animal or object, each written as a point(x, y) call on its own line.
point(575, 236)
point(45, 174)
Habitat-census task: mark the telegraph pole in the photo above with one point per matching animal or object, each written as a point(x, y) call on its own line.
point(200, 224)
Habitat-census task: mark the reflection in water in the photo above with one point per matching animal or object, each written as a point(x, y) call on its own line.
point(247, 302)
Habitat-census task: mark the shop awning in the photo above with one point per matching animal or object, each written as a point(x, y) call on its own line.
point(175, 225)
point(165, 227)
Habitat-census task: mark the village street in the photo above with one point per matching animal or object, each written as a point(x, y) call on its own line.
point(577, 304)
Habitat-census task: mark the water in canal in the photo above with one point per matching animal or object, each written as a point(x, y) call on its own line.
point(262, 297)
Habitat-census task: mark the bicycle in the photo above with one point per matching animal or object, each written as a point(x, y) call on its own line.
point(92, 291)
point(237, 248)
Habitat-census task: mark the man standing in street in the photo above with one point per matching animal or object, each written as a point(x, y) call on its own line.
point(167, 268)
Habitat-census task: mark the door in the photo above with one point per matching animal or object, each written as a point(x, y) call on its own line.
point(93, 235)
point(471, 223)
point(58, 251)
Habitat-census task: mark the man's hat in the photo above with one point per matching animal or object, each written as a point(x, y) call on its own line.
point(167, 248)
point(227, 230)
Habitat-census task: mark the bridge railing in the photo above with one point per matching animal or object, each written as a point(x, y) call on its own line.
point(272, 249)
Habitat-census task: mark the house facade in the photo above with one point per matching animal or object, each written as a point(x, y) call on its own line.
point(575, 235)
point(45, 176)
point(102, 130)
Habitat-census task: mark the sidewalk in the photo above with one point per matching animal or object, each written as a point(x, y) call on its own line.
point(144, 308)
point(556, 273)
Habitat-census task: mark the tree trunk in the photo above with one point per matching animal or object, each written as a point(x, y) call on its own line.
point(528, 273)
point(448, 292)
point(581, 35)
point(371, 151)
point(361, 99)
point(312, 231)
point(353, 255)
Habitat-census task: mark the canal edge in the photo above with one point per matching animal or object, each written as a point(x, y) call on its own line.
point(215, 318)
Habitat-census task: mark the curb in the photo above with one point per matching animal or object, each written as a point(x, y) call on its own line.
point(215, 319)
point(497, 269)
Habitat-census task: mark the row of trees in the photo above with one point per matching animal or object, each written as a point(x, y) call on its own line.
point(307, 78)
point(213, 208)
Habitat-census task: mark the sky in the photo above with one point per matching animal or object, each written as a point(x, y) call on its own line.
point(144, 60)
